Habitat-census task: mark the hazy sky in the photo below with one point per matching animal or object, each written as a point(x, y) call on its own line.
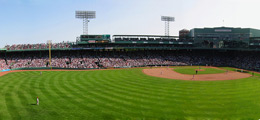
point(36, 21)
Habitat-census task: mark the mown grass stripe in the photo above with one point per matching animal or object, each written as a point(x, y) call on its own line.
point(126, 94)
point(114, 96)
point(4, 113)
point(100, 99)
point(12, 101)
point(78, 96)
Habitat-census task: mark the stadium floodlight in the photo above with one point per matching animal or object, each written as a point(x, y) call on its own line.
point(167, 20)
point(85, 15)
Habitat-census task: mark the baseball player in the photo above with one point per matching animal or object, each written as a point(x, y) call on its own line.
point(37, 101)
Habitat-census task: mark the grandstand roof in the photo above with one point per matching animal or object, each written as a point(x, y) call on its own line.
point(143, 36)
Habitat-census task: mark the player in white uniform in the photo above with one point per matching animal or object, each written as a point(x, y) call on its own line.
point(37, 101)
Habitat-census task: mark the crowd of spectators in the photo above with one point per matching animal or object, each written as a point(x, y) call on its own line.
point(37, 46)
point(108, 59)
point(3, 65)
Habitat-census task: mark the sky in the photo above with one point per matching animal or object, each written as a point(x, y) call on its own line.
point(36, 21)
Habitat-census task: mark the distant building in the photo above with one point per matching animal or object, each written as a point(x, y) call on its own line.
point(184, 34)
point(225, 37)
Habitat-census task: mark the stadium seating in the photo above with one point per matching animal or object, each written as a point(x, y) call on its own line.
point(107, 59)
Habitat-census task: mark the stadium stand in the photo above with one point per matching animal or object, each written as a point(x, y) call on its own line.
point(37, 46)
point(220, 46)
point(139, 58)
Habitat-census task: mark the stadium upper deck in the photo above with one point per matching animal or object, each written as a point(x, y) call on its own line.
point(197, 38)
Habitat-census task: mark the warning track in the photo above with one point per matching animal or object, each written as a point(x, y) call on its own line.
point(4, 73)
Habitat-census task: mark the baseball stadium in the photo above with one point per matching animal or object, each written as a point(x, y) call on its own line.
point(201, 74)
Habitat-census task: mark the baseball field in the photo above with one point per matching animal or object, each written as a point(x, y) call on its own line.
point(129, 94)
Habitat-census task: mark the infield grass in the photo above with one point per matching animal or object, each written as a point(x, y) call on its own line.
point(124, 94)
point(192, 70)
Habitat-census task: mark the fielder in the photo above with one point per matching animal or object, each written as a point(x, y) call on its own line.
point(37, 101)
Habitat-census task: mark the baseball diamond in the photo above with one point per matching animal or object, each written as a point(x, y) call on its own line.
point(210, 73)
point(124, 94)
point(95, 78)
point(125, 80)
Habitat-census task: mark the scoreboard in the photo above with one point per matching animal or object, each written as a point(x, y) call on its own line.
point(95, 38)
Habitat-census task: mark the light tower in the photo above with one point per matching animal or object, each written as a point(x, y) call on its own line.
point(85, 15)
point(167, 20)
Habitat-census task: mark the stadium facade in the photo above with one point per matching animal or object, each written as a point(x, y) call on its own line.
point(225, 37)
point(197, 38)
point(198, 46)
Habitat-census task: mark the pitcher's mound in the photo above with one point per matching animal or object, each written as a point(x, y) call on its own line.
point(169, 73)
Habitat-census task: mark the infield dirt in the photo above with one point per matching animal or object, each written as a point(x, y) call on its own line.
point(171, 74)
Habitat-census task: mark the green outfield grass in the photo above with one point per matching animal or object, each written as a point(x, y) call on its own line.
point(192, 70)
point(125, 94)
